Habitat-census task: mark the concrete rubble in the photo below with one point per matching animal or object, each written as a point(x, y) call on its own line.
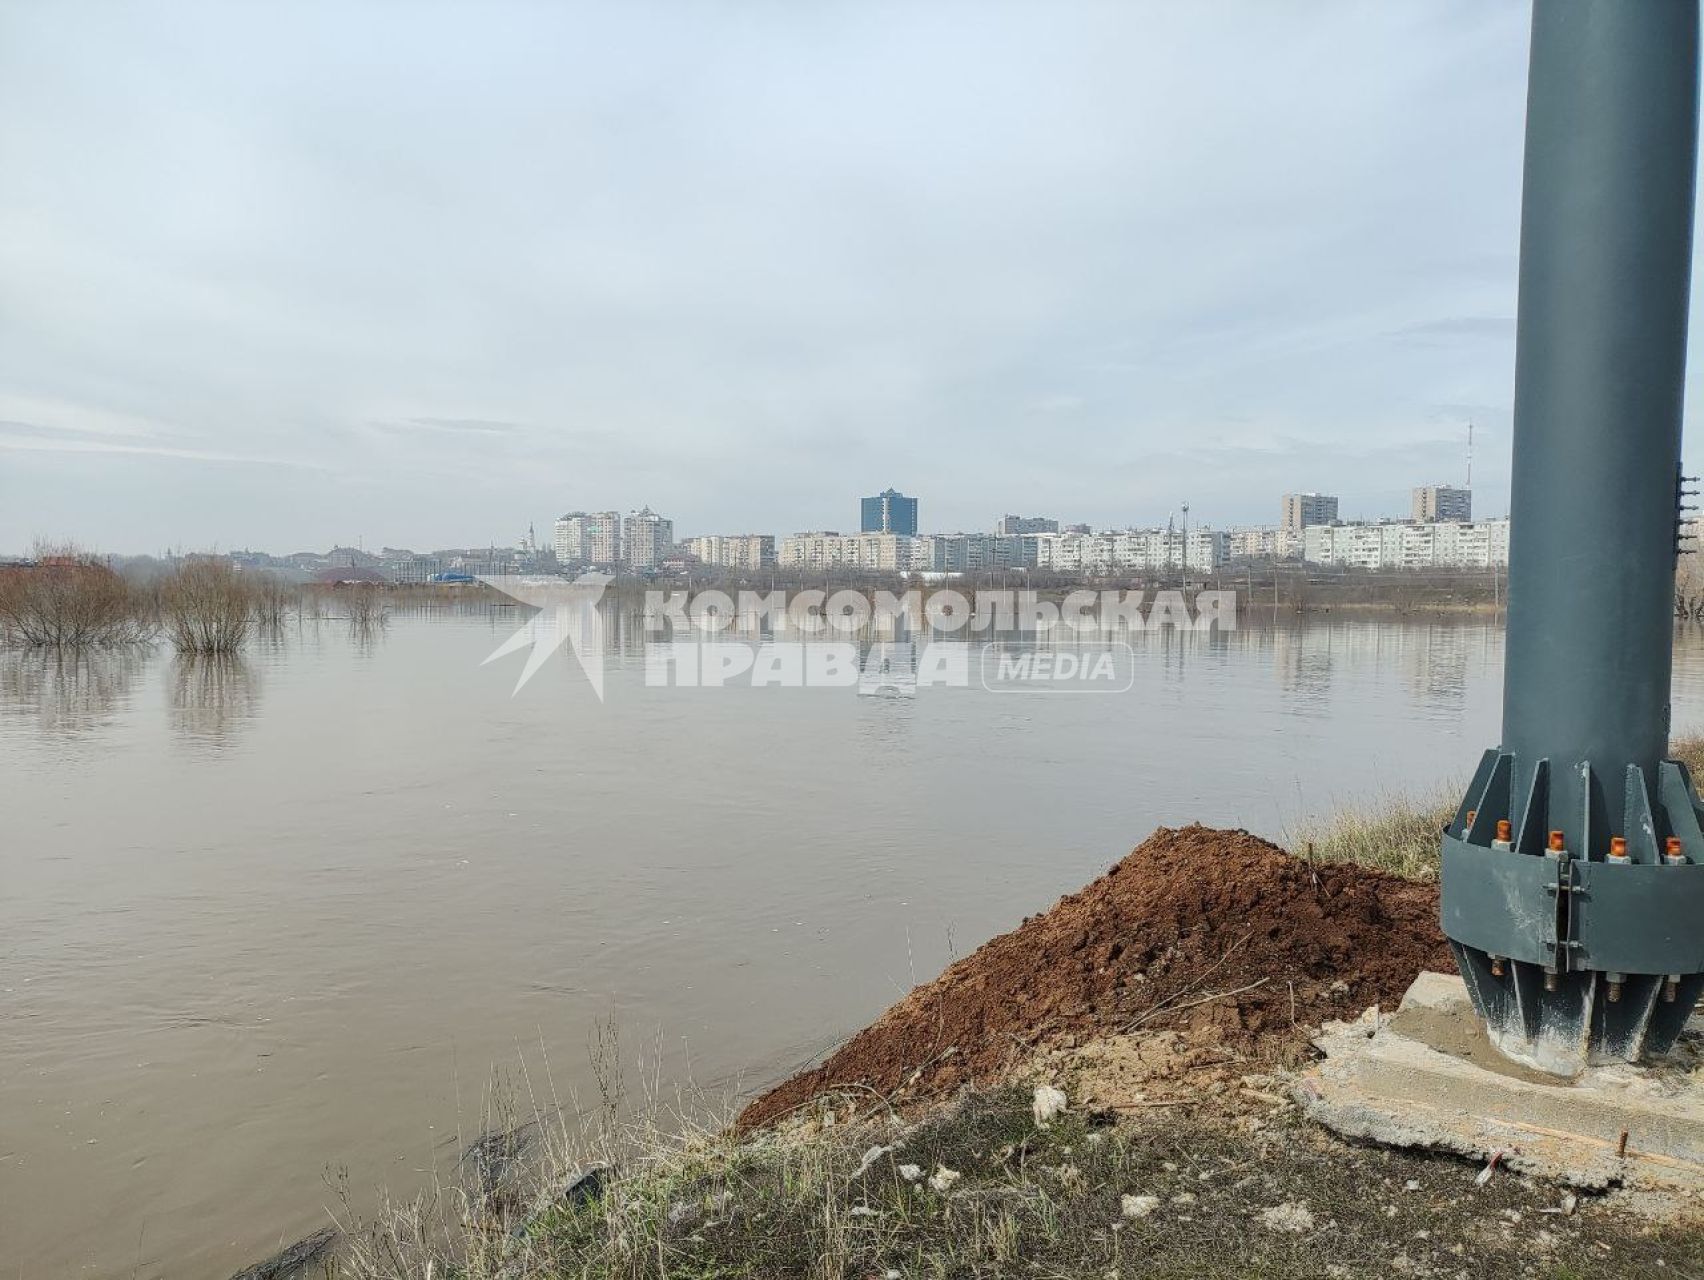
point(1427, 1077)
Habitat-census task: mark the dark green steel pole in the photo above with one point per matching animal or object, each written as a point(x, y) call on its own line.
point(1606, 261)
point(1573, 872)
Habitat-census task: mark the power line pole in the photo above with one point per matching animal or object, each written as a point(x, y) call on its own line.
point(1185, 557)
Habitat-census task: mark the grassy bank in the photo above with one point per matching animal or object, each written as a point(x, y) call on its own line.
point(979, 1188)
point(1212, 1173)
point(1395, 833)
point(1398, 833)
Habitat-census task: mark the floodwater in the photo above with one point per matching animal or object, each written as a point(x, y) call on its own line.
point(264, 920)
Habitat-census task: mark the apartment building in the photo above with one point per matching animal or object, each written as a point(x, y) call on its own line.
point(1301, 510)
point(1133, 550)
point(646, 539)
point(1434, 503)
point(734, 550)
point(828, 549)
point(1264, 543)
point(1409, 545)
point(1017, 526)
point(589, 537)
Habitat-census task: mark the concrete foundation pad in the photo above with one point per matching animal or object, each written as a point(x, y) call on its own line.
point(1426, 1076)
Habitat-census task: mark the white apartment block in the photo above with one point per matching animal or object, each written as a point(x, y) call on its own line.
point(589, 537)
point(885, 552)
point(970, 552)
point(646, 538)
point(1407, 545)
point(1263, 544)
point(823, 549)
point(826, 549)
point(735, 550)
point(1142, 550)
point(1207, 549)
point(1012, 526)
point(1074, 552)
point(1365, 546)
point(1479, 544)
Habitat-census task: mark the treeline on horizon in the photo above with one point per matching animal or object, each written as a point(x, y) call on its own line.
point(67, 598)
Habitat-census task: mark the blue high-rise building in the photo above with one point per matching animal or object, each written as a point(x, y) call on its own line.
point(890, 511)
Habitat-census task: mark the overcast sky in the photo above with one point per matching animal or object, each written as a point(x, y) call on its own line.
point(293, 274)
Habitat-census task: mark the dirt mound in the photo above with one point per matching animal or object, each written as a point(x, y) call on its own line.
point(1215, 930)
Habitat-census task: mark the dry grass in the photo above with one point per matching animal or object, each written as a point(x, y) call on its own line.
point(837, 1200)
point(1689, 750)
point(833, 1196)
point(1399, 833)
point(1395, 833)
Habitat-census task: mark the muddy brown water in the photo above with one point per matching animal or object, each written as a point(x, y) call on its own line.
point(264, 920)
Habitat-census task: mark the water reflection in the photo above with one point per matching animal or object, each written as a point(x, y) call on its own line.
point(213, 696)
point(758, 868)
point(272, 635)
point(69, 691)
point(1309, 659)
point(1438, 672)
point(1303, 660)
point(365, 633)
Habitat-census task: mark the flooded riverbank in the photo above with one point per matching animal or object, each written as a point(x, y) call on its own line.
point(268, 917)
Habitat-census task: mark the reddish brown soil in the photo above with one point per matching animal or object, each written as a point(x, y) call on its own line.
point(1178, 934)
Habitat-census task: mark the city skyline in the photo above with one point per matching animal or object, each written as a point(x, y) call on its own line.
point(1439, 530)
point(431, 331)
point(616, 524)
point(615, 527)
point(1399, 498)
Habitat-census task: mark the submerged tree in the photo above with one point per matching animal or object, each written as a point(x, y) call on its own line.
point(207, 607)
point(67, 599)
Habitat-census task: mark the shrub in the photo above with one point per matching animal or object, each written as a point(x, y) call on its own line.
point(207, 607)
point(68, 599)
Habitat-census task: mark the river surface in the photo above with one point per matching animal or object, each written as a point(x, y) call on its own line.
point(265, 920)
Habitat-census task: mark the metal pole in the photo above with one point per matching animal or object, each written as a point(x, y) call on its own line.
point(1573, 872)
point(1600, 362)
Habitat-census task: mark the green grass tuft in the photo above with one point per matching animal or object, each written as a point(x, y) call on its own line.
point(1399, 833)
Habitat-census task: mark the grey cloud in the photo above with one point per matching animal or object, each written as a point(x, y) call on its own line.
point(34, 431)
point(501, 260)
point(475, 426)
point(1468, 328)
point(108, 445)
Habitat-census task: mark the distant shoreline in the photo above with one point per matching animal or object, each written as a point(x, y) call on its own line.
point(1258, 594)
